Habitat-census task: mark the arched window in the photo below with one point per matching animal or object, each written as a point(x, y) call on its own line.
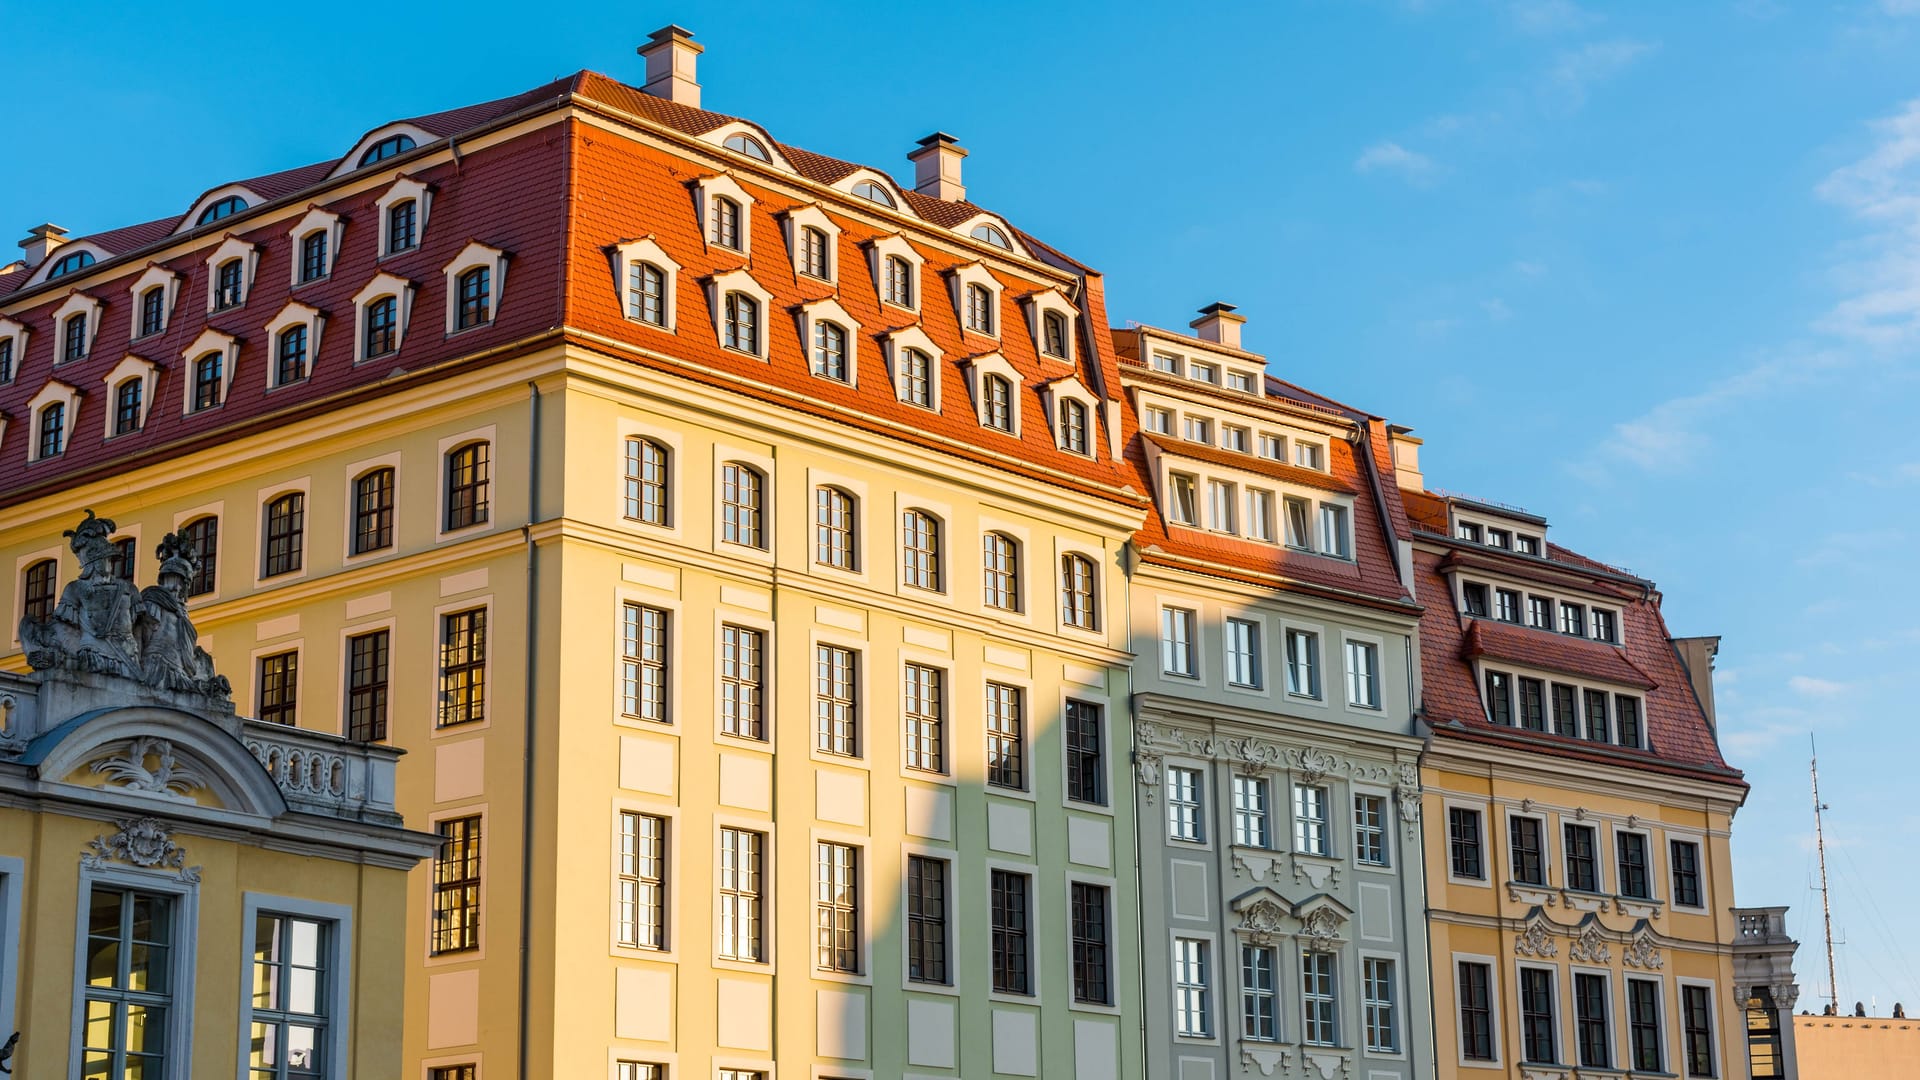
point(226, 207)
point(206, 381)
point(979, 313)
point(743, 323)
point(830, 350)
point(203, 535)
point(53, 429)
point(897, 282)
point(73, 338)
point(646, 293)
point(740, 508)
point(748, 145)
point(313, 255)
point(726, 222)
point(1000, 570)
point(646, 490)
point(992, 236)
point(873, 192)
point(286, 531)
point(1073, 426)
point(120, 563)
point(916, 378)
point(476, 298)
point(153, 311)
point(67, 264)
point(227, 285)
point(467, 486)
point(36, 589)
point(290, 356)
point(1077, 593)
point(382, 327)
point(833, 542)
point(391, 146)
point(403, 219)
point(126, 405)
point(373, 511)
point(998, 393)
point(920, 550)
point(813, 252)
point(1053, 333)
point(6, 360)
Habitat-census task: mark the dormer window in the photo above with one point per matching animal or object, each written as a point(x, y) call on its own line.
point(1473, 596)
point(224, 208)
point(6, 359)
point(153, 311)
point(873, 192)
point(313, 255)
point(67, 264)
point(403, 220)
point(897, 282)
point(294, 335)
point(1183, 506)
point(646, 293)
point(997, 395)
point(1241, 381)
point(127, 411)
point(290, 356)
point(1297, 511)
point(1222, 500)
point(382, 330)
point(725, 227)
point(1606, 626)
point(206, 381)
point(1526, 545)
point(1235, 438)
point(73, 338)
point(227, 284)
point(1506, 605)
point(391, 146)
point(1468, 531)
point(830, 351)
point(1165, 363)
point(1157, 420)
point(403, 216)
point(1540, 612)
point(1073, 426)
point(991, 235)
point(979, 309)
point(52, 430)
point(748, 145)
point(742, 323)
point(1499, 538)
point(1204, 372)
point(1573, 620)
point(1309, 455)
point(1198, 429)
point(916, 378)
point(812, 256)
point(475, 293)
point(1335, 537)
point(1053, 335)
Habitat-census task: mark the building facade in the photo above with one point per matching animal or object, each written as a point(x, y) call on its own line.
point(1763, 978)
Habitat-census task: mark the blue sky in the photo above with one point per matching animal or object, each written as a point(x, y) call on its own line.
point(1652, 270)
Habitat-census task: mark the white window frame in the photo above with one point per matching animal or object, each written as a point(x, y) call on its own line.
point(894, 346)
point(977, 369)
point(1209, 986)
point(1615, 1018)
point(1035, 306)
point(294, 314)
point(315, 220)
point(1547, 849)
point(1255, 655)
point(77, 303)
point(740, 281)
point(1171, 648)
point(402, 189)
point(811, 216)
point(1664, 1029)
point(896, 245)
point(1317, 691)
point(17, 332)
point(1070, 388)
point(646, 249)
point(209, 341)
point(1699, 842)
point(1264, 787)
point(155, 276)
point(190, 221)
point(722, 183)
point(382, 284)
point(340, 946)
point(129, 367)
point(1680, 983)
point(1558, 1013)
point(1485, 880)
point(231, 248)
point(1300, 822)
point(829, 310)
point(185, 953)
point(1397, 1003)
point(476, 254)
point(1377, 680)
point(974, 273)
point(1496, 1034)
point(1200, 773)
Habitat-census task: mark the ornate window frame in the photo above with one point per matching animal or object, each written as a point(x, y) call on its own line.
point(17, 332)
point(155, 275)
point(966, 228)
point(183, 885)
point(130, 367)
point(402, 189)
point(1070, 388)
point(76, 303)
point(210, 340)
point(316, 220)
point(810, 215)
point(54, 392)
point(893, 347)
point(231, 248)
point(351, 161)
point(294, 314)
point(723, 183)
point(383, 284)
point(896, 246)
point(476, 254)
point(191, 221)
point(646, 249)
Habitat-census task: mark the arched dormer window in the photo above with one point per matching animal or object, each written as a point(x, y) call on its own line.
point(1077, 592)
point(403, 216)
point(285, 535)
point(294, 337)
point(403, 226)
point(67, 264)
point(647, 481)
point(812, 255)
point(206, 381)
point(920, 550)
point(992, 235)
point(1053, 333)
point(391, 146)
point(153, 310)
point(475, 298)
point(210, 360)
point(724, 227)
point(897, 282)
point(127, 410)
point(979, 308)
point(290, 356)
point(130, 385)
point(873, 192)
point(467, 486)
point(476, 286)
point(742, 325)
point(223, 208)
point(1073, 426)
point(1000, 571)
point(646, 293)
point(830, 350)
point(73, 338)
point(51, 431)
point(154, 294)
point(313, 256)
point(383, 308)
point(741, 143)
point(996, 394)
point(227, 284)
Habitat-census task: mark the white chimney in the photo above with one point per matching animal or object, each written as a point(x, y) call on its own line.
point(671, 55)
point(1217, 323)
point(936, 167)
point(40, 242)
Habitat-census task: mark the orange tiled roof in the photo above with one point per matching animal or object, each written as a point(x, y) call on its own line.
point(1252, 463)
point(1552, 652)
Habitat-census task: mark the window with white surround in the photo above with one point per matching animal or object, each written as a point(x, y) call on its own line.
point(1370, 830)
point(647, 279)
point(995, 385)
point(1312, 831)
point(1251, 812)
point(1379, 997)
point(913, 363)
point(1592, 1009)
point(640, 898)
point(813, 243)
point(1318, 1001)
point(1186, 813)
point(383, 310)
point(741, 312)
point(1183, 502)
point(1273, 446)
point(1179, 642)
point(1222, 500)
point(1236, 438)
point(77, 321)
point(1157, 420)
point(895, 267)
point(54, 411)
point(296, 1020)
point(153, 293)
point(1539, 1023)
point(1052, 320)
point(1363, 674)
point(1259, 997)
point(1000, 571)
point(209, 364)
point(1071, 408)
point(1336, 539)
point(647, 481)
point(742, 896)
point(1243, 653)
point(1192, 989)
point(1166, 363)
point(294, 339)
point(1203, 371)
point(476, 286)
point(1473, 990)
point(316, 239)
point(1303, 663)
point(1245, 382)
point(1197, 429)
point(402, 214)
point(976, 299)
point(13, 348)
point(1309, 455)
point(133, 377)
point(725, 211)
point(831, 337)
point(135, 977)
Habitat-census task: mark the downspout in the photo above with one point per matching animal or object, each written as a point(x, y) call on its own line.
point(1129, 561)
point(531, 696)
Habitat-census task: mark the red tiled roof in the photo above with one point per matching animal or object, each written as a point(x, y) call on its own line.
point(1252, 463)
point(1552, 652)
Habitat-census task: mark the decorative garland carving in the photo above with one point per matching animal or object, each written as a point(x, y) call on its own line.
point(1263, 922)
point(167, 777)
point(1536, 940)
point(1641, 952)
point(143, 842)
point(1590, 946)
point(1146, 769)
point(1320, 930)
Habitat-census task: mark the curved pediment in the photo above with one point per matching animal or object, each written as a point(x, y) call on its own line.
point(155, 758)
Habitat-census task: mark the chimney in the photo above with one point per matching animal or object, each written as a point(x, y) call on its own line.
point(1217, 323)
point(936, 167)
point(40, 242)
point(1406, 458)
point(671, 54)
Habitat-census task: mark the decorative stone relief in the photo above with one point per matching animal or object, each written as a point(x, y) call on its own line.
point(1146, 769)
point(1784, 995)
point(1536, 939)
point(147, 764)
point(1314, 872)
point(1263, 922)
point(1579, 813)
point(1524, 894)
point(1641, 952)
point(1266, 1060)
point(1407, 793)
point(1330, 1065)
point(143, 842)
point(1590, 946)
point(10, 743)
point(1256, 866)
point(1315, 764)
point(1583, 901)
point(1549, 1073)
point(1320, 930)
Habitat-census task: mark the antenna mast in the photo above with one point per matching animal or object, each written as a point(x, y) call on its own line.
point(1820, 843)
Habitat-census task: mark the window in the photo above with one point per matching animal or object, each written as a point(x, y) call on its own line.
point(640, 902)
point(402, 218)
point(6, 360)
point(1312, 834)
point(463, 667)
point(1363, 674)
point(373, 511)
point(992, 236)
point(1499, 538)
point(1764, 1045)
point(1086, 755)
point(1008, 904)
point(740, 895)
point(742, 323)
point(129, 973)
point(1204, 372)
point(126, 406)
point(925, 717)
point(367, 686)
point(1596, 701)
point(80, 260)
point(1476, 1011)
point(813, 252)
point(1696, 1023)
point(313, 256)
point(279, 685)
point(1089, 918)
point(979, 309)
point(1309, 455)
point(1626, 715)
point(833, 528)
point(1192, 992)
point(1185, 817)
point(1473, 597)
point(1540, 612)
point(1528, 850)
point(920, 550)
point(290, 356)
point(1566, 710)
point(1006, 737)
point(830, 351)
point(153, 311)
point(1590, 1020)
point(1197, 429)
point(1259, 998)
point(835, 708)
point(1303, 663)
point(1241, 381)
point(998, 397)
point(1631, 861)
point(456, 886)
point(897, 281)
point(1250, 812)
point(287, 1015)
point(740, 515)
point(1377, 1003)
point(1506, 605)
point(926, 919)
point(1463, 844)
point(748, 145)
point(1333, 531)
point(1643, 1024)
point(206, 381)
point(1297, 534)
point(1583, 861)
point(467, 486)
point(1184, 507)
point(1533, 704)
point(475, 293)
point(1573, 620)
point(1166, 363)
point(741, 682)
point(1077, 603)
point(1053, 334)
point(639, 1070)
point(916, 378)
point(1684, 856)
point(120, 563)
point(1221, 503)
point(286, 527)
point(1234, 438)
point(1259, 515)
point(643, 662)
point(646, 293)
point(229, 285)
point(1178, 654)
point(203, 534)
point(1370, 830)
point(1243, 653)
point(1605, 626)
point(1526, 545)
point(226, 207)
point(1156, 419)
point(390, 146)
point(646, 481)
point(1001, 571)
point(382, 334)
point(1538, 1027)
point(836, 907)
point(1073, 426)
point(873, 192)
point(1320, 1023)
point(1468, 531)
point(725, 231)
point(53, 429)
point(1500, 698)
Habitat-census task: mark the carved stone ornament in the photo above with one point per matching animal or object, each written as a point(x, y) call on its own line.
point(1579, 813)
point(143, 842)
point(1784, 995)
point(1330, 1065)
point(1263, 922)
point(1526, 806)
point(1266, 1060)
point(1590, 946)
point(1257, 866)
point(1146, 768)
point(147, 764)
point(1315, 873)
point(1320, 930)
point(1407, 793)
point(1536, 940)
point(10, 743)
point(1641, 952)
point(1316, 764)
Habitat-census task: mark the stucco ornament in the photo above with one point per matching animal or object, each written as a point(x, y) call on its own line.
point(1590, 946)
point(1784, 995)
point(1320, 930)
point(1316, 763)
point(1263, 922)
point(1641, 952)
point(147, 764)
point(1266, 1060)
point(91, 628)
point(1146, 767)
point(143, 842)
point(1536, 939)
point(1407, 793)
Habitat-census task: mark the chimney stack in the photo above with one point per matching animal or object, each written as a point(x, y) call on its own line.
point(41, 241)
point(1217, 323)
point(936, 167)
point(671, 56)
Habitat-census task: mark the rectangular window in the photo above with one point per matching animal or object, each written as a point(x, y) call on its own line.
point(1308, 456)
point(1590, 1020)
point(1241, 381)
point(1473, 597)
point(1538, 1027)
point(1008, 903)
point(367, 687)
point(1157, 420)
point(129, 977)
point(638, 1070)
point(456, 1072)
point(926, 919)
point(1235, 438)
point(1696, 1020)
point(1178, 649)
point(836, 907)
point(1335, 540)
point(1206, 373)
point(456, 886)
point(1533, 704)
point(1320, 1023)
point(1643, 1024)
point(1363, 674)
point(1259, 515)
point(1259, 998)
point(1467, 530)
point(1086, 754)
point(925, 717)
point(1526, 545)
point(1566, 711)
point(1243, 652)
point(287, 1016)
point(1197, 429)
point(740, 895)
point(1583, 863)
point(463, 667)
point(1476, 1011)
point(1463, 844)
point(1685, 858)
point(1528, 855)
point(1185, 794)
point(1597, 716)
point(1303, 663)
point(1222, 499)
point(742, 686)
point(1006, 737)
point(1605, 626)
point(1090, 963)
point(643, 662)
point(1250, 813)
point(835, 708)
point(1312, 832)
point(1192, 992)
point(279, 685)
point(1377, 1002)
point(1626, 718)
point(1166, 363)
point(1573, 620)
point(1506, 605)
point(1499, 538)
point(1273, 446)
point(1185, 506)
point(1296, 511)
point(1631, 851)
point(1540, 612)
point(1500, 698)
point(1370, 829)
point(641, 902)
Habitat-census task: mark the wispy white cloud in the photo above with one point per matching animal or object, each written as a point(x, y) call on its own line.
point(1882, 189)
point(1576, 72)
point(1900, 7)
point(1496, 309)
point(1388, 156)
point(1669, 436)
point(1530, 268)
point(1549, 16)
point(1808, 686)
point(1847, 547)
point(1898, 476)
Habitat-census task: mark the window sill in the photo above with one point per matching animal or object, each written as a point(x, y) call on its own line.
point(845, 978)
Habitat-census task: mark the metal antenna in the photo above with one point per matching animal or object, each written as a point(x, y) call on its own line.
point(1820, 843)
